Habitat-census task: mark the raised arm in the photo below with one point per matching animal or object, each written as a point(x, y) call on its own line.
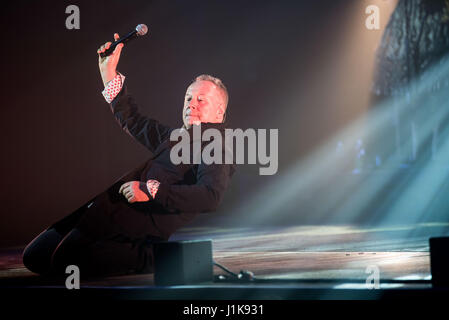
point(147, 131)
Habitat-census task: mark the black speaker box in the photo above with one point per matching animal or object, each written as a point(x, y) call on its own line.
point(439, 261)
point(182, 262)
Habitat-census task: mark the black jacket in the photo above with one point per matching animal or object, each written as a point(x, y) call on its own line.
point(185, 189)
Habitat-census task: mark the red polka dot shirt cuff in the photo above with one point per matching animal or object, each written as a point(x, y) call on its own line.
point(153, 186)
point(113, 87)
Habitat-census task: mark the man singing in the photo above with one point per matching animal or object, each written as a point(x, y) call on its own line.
point(113, 233)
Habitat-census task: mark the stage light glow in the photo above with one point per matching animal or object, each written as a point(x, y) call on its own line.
point(397, 191)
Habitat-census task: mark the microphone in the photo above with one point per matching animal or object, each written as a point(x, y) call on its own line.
point(141, 30)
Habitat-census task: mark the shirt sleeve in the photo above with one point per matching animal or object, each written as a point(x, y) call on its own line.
point(152, 187)
point(113, 87)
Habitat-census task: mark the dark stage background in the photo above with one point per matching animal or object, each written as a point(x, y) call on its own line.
point(303, 67)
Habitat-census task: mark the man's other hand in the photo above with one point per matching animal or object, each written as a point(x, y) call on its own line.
point(108, 65)
point(133, 191)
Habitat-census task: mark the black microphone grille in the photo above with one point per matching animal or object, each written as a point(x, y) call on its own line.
point(142, 29)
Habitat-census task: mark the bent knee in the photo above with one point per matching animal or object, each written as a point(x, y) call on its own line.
point(70, 251)
point(36, 256)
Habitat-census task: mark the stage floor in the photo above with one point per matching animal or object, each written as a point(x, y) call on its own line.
point(283, 258)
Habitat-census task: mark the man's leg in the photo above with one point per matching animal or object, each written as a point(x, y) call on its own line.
point(98, 238)
point(37, 255)
point(115, 255)
point(111, 238)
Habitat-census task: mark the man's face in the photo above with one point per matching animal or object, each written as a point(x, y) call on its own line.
point(204, 102)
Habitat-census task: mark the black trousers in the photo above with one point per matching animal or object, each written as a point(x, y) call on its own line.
point(105, 236)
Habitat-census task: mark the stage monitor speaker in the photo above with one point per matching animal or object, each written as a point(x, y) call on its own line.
point(439, 261)
point(182, 262)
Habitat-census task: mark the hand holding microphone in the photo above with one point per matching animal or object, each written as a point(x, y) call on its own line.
point(109, 53)
point(108, 64)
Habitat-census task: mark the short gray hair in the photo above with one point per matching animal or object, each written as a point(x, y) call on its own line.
point(217, 82)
